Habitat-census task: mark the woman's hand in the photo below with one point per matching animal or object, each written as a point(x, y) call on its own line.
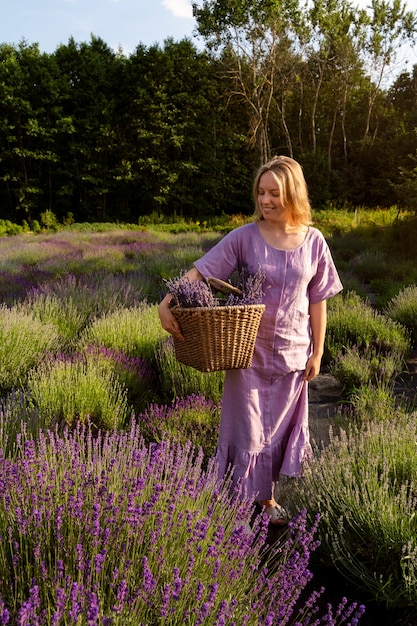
point(312, 368)
point(168, 320)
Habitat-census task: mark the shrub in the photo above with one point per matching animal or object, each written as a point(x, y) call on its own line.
point(92, 538)
point(403, 309)
point(67, 391)
point(364, 486)
point(71, 302)
point(194, 419)
point(23, 338)
point(374, 402)
point(63, 314)
point(135, 331)
point(179, 381)
point(8, 228)
point(370, 265)
point(49, 220)
point(355, 369)
point(134, 373)
point(353, 322)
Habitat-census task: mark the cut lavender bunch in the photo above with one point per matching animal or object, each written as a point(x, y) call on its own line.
point(198, 293)
point(251, 285)
point(190, 293)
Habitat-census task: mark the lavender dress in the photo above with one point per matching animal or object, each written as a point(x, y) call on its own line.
point(264, 421)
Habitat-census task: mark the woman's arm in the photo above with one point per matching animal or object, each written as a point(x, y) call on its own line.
point(318, 322)
point(168, 321)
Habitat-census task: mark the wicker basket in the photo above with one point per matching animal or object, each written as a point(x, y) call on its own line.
point(219, 337)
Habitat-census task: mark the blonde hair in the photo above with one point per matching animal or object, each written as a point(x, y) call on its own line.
point(292, 186)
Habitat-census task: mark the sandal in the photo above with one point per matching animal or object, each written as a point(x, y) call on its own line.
point(278, 516)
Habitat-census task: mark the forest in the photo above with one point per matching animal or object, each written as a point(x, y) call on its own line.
point(93, 134)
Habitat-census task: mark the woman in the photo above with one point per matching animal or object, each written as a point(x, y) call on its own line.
point(264, 420)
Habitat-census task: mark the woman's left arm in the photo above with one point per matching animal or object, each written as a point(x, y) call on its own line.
point(318, 322)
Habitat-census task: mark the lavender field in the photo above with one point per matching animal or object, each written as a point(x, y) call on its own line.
point(110, 509)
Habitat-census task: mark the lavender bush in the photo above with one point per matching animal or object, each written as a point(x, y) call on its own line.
point(403, 309)
point(103, 530)
point(62, 314)
point(356, 368)
point(353, 322)
point(194, 418)
point(179, 381)
point(135, 331)
point(66, 390)
point(23, 338)
point(364, 486)
point(133, 372)
point(375, 402)
point(16, 413)
point(72, 302)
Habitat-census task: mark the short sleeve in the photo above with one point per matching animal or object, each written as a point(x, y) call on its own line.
point(326, 282)
point(226, 256)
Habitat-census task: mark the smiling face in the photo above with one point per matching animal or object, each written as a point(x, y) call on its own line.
point(280, 193)
point(269, 199)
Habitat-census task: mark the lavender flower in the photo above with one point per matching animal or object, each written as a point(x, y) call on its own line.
point(125, 552)
point(197, 293)
point(190, 293)
point(251, 285)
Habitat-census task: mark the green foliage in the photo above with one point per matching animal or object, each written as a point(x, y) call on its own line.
point(8, 228)
point(179, 381)
point(23, 340)
point(403, 309)
point(135, 331)
point(353, 322)
point(87, 133)
point(363, 485)
point(81, 390)
point(355, 368)
point(49, 220)
point(374, 403)
point(193, 419)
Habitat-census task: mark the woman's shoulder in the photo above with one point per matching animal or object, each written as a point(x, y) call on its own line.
point(315, 235)
point(315, 232)
point(243, 231)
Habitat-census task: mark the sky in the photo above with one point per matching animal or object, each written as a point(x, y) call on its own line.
point(120, 23)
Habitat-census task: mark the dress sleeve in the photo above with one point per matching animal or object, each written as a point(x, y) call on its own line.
point(326, 282)
point(221, 260)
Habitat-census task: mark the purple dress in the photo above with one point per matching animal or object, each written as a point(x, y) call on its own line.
point(264, 421)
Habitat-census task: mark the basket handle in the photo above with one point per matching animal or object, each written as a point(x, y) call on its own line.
point(223, 286)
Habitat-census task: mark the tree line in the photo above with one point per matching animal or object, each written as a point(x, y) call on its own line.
point(91, 133)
